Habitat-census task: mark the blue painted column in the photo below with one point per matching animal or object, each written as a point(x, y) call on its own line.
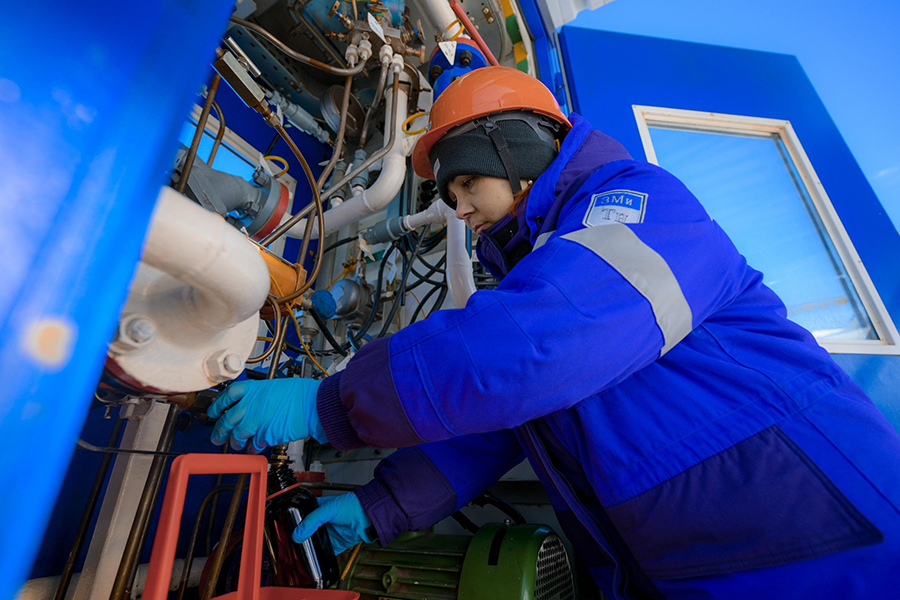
point(91, 101)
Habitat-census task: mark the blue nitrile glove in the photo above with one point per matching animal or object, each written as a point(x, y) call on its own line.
point(271, 412)
point(344, 518)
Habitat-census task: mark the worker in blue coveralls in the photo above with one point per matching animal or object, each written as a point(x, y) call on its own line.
point(694, 442)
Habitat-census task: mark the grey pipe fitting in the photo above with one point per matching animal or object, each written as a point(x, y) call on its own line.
point(386, 231)
point(298, 117)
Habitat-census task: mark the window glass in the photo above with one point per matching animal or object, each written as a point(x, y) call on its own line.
point(750, 186)
point(227, 160)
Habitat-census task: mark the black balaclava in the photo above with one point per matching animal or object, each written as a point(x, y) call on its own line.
point(512, 145)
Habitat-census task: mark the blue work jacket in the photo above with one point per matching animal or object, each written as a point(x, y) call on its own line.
point(693, 441)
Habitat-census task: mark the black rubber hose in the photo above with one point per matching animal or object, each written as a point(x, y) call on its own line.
point(429, 273)
point(323, 327)
point(376, 298)
point(505, 507)
point(339, 243)
point(465, 522)
point(400, 290)
point(421, 305)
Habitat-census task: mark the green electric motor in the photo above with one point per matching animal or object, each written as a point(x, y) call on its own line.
point(500, 562)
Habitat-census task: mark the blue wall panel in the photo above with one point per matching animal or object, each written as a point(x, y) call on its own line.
point(91, 102)
point(608, 73)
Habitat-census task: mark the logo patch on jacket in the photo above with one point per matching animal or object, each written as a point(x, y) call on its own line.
point(617, 206)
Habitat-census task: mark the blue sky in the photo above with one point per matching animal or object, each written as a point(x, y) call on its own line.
point(850, 51)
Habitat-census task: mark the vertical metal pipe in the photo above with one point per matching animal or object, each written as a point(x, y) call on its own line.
point(94, 495)
point(198, 133)
point(303, 212)
point(189, 558)
point(231, 516)
point(220, 134)
point(128, 565)
point(212, 510)
point(382, 78)
point(342, 130)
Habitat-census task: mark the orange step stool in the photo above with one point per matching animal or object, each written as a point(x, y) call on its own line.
point(163, 556)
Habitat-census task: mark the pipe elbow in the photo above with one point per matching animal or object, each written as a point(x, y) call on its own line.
point(228, 278)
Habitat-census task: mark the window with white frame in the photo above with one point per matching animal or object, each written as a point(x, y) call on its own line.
point(235, 156)
point(754, 178)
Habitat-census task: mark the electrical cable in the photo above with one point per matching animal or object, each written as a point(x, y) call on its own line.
point(271, 145)
point(400, 290)
point(432, 270)
point(505, 507)
point(440, 300)
point(323, 328)
point(299, 333)
point(376, 298)
point(110, 450)
point(343, 456)
point(421, 304)
point(340, 243)
point(465, 522)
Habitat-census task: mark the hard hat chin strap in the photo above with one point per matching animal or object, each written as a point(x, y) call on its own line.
point(512, 173)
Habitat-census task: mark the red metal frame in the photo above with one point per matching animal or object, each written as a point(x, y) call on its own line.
point(163, 557)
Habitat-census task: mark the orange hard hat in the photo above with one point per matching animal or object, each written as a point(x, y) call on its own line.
point(479, 93)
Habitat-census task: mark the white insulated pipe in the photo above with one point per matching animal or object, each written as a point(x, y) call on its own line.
point(444, 17)
point(459, 264)
point(228, 278)
point(433, 214)
point(377, 196)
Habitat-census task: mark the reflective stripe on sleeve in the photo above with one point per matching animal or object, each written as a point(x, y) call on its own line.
point(647, 271)
point(542, 239)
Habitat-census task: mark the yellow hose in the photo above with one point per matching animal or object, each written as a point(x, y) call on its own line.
point(283, 162)
point(410, 119)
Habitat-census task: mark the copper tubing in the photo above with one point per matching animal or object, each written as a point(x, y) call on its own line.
point(320, 213)
point(219, 557)
point(66, 576)
point(382, 77)
point(314, 32)
point(198, 133)
point(128, 565)
point(220, 134)
point(286, 226)
point(279, 325)
point(189, 558)
point(339, 142)
point(212, 511)
point(460, 13)
point(392, 138)
point(231, 516)
point(294, 54)
point(279, 341)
